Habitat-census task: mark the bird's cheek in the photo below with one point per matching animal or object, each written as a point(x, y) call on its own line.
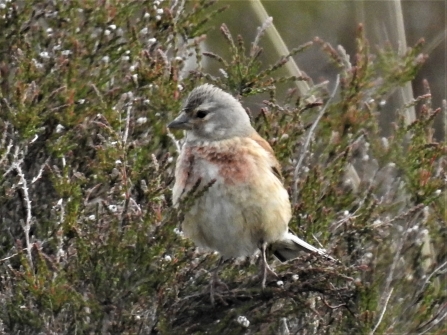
point(208, 128)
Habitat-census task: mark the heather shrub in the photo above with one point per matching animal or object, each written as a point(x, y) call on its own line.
point(89, 239)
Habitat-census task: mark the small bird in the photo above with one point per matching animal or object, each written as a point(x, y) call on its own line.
point(244, 206)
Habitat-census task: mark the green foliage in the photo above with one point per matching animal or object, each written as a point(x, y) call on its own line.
point(89, 239)
point(243, 74)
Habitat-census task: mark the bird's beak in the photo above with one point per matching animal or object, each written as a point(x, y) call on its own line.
point(181, 122)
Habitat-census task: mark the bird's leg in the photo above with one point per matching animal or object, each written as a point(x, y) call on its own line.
point(215, 281)
point(265, 268)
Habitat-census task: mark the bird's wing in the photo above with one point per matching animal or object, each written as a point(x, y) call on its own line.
point(291, 245)
point(276, 167)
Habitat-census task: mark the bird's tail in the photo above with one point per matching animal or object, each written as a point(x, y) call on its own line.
point(291, 246)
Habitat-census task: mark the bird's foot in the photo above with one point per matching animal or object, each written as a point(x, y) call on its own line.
point(266, 271)
point(265, 268)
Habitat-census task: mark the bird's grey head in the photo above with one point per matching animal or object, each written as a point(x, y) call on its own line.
point(210, 114)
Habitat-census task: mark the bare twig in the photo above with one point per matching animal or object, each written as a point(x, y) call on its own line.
point(5, 132)
point(283, 329)
point(430, 276)
point(126, 130)
point(383, 312)
point(15, 159)
point(8, 257)
point(59, 107)
point(176, 142)
point(409, 213)
point(308, 139)
point(59, 235)
point(179, 10)
point(332, 307)
point(397, 255)
point(26, 226)
point(444, 116)
point(6, 153)
point(98, 93)
point(437, 319)
point(136, 205)
point(39, 174)
point(346, 218)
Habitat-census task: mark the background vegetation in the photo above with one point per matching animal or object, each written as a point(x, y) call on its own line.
point(89, 242)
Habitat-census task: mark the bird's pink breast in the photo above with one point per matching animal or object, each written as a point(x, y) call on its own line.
point(231, 163)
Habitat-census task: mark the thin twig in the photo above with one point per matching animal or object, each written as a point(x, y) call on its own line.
point(344, 219)
point(309, 136)
point(383, 312)
point(179, 10)
point(126, 130)
point(27, 225)
point(6, 153)
point(436, 320)
point(59, 235)
point(397, 255)
point(15, 159)
point(98, 93)
point(444, 119)
point(39, 174)
point(8, 257)
point(5, 132)
point(430, 276)
point(332, 307)
point(176, 142)
point(136, 205)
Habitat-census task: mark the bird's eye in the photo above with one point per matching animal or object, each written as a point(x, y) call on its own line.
point(201, 114)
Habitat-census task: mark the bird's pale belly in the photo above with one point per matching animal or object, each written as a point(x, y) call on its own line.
point(235, 220)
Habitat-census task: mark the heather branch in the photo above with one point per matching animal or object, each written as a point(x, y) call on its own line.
point(309, 137)
point(3, 140)
point(59, 234)
point(439, 268)
point(6, 153)
point(16, 165)
point(126, 130)
point(8, 257)
point(39, 174)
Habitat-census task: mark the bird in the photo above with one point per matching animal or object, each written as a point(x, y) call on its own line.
point(241, 204)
